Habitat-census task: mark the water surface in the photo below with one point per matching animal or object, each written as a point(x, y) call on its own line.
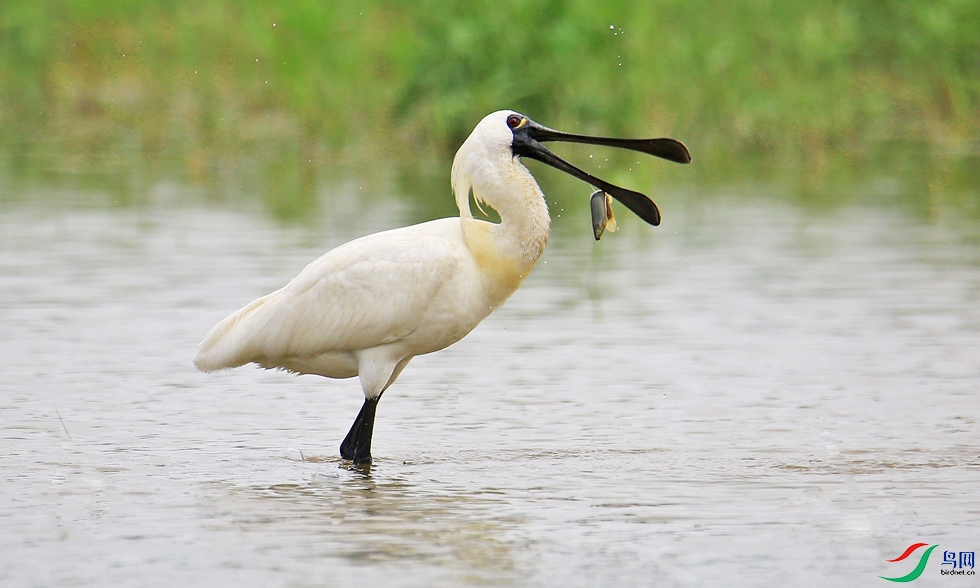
point(751, 394)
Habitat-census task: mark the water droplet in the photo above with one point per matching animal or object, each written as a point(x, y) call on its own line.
point(612, 27)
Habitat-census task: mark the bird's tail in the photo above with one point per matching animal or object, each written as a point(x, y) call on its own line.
point(228, 344)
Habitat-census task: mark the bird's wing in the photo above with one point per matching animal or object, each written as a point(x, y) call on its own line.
point(368, 292)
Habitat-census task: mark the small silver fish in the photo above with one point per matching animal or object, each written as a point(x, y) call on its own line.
point(602, 214)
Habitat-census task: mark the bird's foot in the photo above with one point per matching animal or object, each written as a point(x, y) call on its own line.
point(357, 445)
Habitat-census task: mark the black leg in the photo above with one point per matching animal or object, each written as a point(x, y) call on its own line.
point(357, 445)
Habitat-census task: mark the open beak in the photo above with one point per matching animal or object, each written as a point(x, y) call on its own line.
point(529, 135)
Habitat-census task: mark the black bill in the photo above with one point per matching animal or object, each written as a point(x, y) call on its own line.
point(528, 136)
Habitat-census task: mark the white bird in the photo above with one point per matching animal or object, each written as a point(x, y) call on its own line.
point(369, 306)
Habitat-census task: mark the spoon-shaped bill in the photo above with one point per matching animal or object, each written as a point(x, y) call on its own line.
point(642, 206)
point(664, 148)
point(528, 136)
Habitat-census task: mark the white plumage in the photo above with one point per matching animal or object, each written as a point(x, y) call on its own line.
point(368, 307)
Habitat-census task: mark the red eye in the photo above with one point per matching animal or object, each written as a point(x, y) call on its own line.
point(514, 121)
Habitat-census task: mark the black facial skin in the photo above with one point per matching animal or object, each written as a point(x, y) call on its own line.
point(528, 136)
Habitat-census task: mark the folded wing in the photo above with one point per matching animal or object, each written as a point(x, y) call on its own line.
point(369, 292)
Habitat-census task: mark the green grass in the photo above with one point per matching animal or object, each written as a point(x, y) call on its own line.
point(202, 89)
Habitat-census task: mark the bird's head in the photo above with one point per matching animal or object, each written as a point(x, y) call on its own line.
point(509, 134)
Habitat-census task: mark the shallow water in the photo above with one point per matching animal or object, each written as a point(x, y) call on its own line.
point(751, 394)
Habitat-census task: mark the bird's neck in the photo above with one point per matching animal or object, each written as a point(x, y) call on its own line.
point(522, 233)
point(509, 249)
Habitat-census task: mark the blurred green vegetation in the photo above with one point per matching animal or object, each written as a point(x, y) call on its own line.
point(278, 98)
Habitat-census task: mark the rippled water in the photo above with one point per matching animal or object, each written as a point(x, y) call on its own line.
point(751, 394)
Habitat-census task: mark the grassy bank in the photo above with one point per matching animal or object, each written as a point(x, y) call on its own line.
point(175, 87)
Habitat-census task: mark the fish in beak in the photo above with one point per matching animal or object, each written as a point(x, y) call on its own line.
point(602, 214)
point(528, 136)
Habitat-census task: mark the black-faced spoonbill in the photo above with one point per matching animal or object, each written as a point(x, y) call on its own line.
point(368, 307)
